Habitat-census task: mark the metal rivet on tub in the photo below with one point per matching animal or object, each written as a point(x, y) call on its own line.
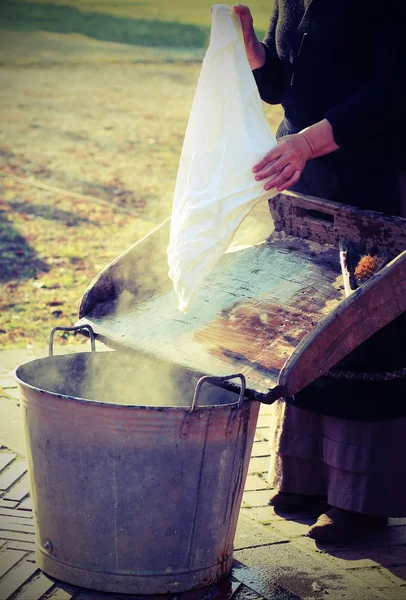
point(48, 546)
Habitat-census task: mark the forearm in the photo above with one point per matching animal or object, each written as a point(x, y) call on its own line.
point(320, 138)
point(255, 54)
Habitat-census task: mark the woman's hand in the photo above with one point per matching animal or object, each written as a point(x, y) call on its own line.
point(285, 162)
point(253, 47)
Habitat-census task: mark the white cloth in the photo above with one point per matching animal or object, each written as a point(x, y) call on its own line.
point(227, 134)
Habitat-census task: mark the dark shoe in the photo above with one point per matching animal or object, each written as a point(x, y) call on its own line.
point(293, 502)
point(337, 525)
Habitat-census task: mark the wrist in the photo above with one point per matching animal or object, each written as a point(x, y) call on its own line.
point(308, 144)
point(319, 138)
point(255, 53)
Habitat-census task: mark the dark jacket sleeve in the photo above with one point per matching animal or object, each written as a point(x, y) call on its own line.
point(378, 107)
point(269, 77)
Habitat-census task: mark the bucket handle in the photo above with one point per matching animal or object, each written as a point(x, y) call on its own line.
point(195, 402)
point(74, 328)
point(212, 379)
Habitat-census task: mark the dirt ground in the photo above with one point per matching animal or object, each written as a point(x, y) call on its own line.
point(111, 133)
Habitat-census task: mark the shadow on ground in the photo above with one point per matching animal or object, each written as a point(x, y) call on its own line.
point(18, 260)
point(24, 16)
point(51, 213)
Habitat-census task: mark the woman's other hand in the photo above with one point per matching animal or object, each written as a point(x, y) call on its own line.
point(253, 47)
point(285, 163)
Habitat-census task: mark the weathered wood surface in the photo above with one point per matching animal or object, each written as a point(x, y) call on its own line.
point(329, 222)
point(258, 303)
point(364, 312)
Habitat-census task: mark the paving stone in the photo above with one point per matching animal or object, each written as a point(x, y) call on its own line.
point(12, 474)
point(11, 518)
point(19, 491)
point(245, 593)
point(356, 559)
point(249, 534)
point(12, 393)
point(8, 383)
point(266, 409)
point(386, 538)
point(308, 575)
point(10, 524)
point(9, 559)
point(62, 592)
point(258, 465)
point(293, 528)
point(256, 498)
point(25, 505)
point(11, 429)
point(17, 536)
point(260, 448)
point(17, 545)
point(6, 458)
point(36, 588)
point(263, 421)
point(13, 512)
point(15, 578)
point(254, 482)
point(267, 514)
point(223, 590)
point(271, 591)
point(262, 435)
point(379, 580)
point(6, 504)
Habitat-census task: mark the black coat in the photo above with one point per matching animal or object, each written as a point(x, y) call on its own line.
point(345, 60)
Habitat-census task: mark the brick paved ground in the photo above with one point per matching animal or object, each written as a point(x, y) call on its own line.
point(273, 557)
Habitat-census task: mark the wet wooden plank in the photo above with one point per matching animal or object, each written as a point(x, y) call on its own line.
point(328, 222)
point(231, 326)
point(383, 296)
point(19, 491)
point(36, 588)
point(292, 281)
point(5, 459)
point(10, 475)
point(9, 559)
point(16, 578)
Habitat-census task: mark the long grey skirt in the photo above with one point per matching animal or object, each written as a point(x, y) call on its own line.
point(360, 466)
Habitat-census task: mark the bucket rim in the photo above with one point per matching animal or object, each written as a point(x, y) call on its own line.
point(115, 405)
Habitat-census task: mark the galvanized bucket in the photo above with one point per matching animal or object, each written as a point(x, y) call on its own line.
point(134, 490)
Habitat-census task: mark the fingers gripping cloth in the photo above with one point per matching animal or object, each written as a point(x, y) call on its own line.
point(226, 135)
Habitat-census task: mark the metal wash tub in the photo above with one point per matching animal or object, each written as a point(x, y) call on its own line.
point(133, 495)
point(137, 470)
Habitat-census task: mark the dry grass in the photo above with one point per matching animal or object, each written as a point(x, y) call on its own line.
point(111, 131)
